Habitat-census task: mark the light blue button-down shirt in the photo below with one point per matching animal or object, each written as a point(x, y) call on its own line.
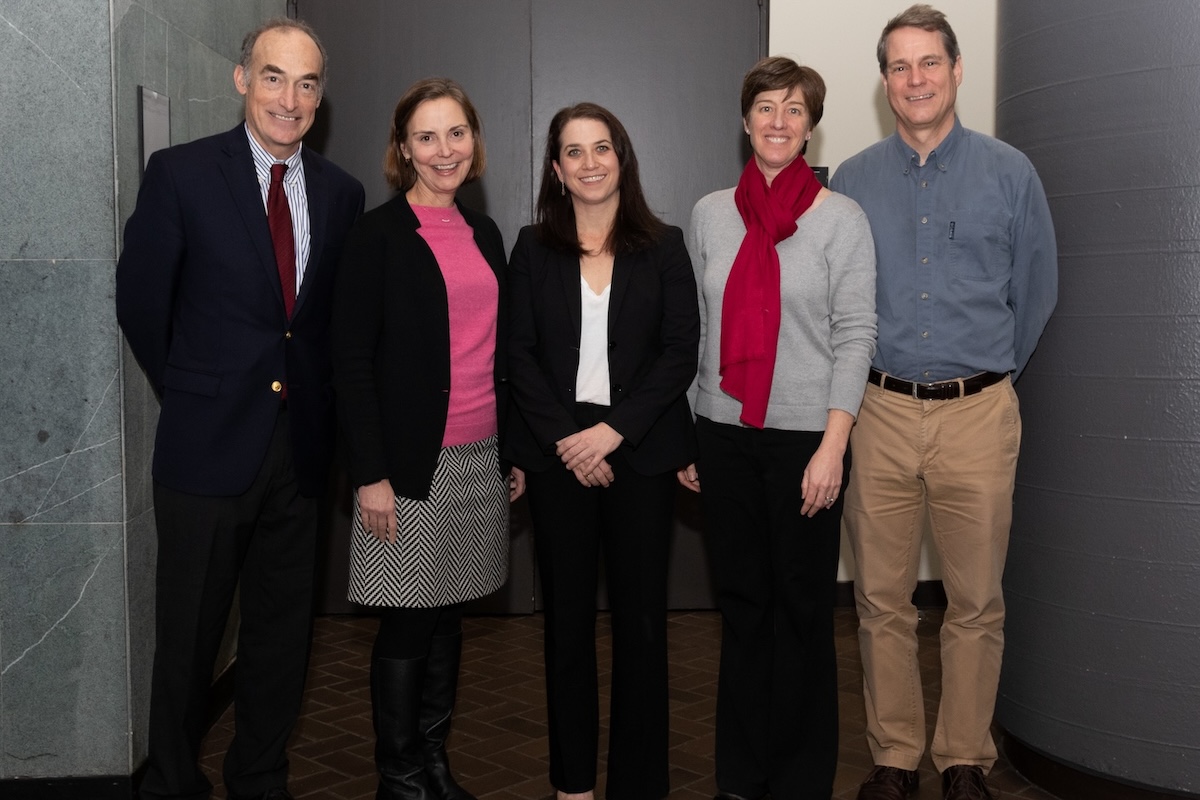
point(967, 265)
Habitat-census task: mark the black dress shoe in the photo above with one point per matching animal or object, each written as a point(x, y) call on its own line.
point(964, 782)
point(278, 793)
point(889, 783)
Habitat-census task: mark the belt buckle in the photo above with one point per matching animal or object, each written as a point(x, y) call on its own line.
point(937, 390)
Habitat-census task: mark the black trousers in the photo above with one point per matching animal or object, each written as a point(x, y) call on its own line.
point(775, 574)
point(631, 521)
point(265, 541)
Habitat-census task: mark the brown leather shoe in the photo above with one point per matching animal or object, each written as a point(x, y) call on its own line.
point(964, 782)
point(889, 783)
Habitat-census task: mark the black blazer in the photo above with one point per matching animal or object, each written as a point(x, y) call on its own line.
point(391, 345)
point(199, 300)
point(653, 344)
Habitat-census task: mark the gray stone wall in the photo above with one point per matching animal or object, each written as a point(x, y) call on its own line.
point(76, 519)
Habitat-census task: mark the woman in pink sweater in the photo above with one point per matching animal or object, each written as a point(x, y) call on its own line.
point(419, 369)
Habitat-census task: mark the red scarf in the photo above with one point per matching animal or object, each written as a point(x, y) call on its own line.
point(750, 311)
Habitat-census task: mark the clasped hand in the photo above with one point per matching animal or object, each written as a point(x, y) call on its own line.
point(584, 453)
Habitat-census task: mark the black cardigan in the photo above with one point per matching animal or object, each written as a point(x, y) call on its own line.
point(391, 346)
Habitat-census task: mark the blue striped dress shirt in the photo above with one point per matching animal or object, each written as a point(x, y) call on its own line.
point(297, 195)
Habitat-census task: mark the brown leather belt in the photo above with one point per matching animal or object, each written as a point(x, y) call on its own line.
point(942, 390)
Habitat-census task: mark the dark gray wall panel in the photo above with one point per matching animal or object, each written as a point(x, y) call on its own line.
point(671, 70)
point(378, 48)
point(1103, 579)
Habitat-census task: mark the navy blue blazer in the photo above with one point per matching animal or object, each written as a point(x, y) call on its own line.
point(199, 300)
point(653, 349)
point(391, 338)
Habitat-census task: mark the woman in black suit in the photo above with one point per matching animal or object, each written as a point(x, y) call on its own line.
point(419, 335)
point(605, 331)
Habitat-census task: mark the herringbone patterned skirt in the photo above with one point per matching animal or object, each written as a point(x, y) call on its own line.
point(450, 548)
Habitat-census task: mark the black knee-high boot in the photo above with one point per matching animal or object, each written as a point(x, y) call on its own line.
point(396, 685)
point(437, 706)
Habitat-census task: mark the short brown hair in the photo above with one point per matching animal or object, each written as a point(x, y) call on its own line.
point(397, 169)
point(781, 72)
point(922, 16)
point(282, 23)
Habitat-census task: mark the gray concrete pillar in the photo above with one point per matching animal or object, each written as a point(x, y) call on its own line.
point(1102, 661)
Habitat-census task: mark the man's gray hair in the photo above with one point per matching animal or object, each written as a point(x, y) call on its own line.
point(277, 24)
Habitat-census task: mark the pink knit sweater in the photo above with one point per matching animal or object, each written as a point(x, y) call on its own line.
point(474, 297)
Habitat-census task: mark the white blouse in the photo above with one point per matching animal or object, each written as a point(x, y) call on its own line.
point(591, 382)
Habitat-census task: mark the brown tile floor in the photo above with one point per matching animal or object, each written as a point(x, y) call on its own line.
point(498, 746)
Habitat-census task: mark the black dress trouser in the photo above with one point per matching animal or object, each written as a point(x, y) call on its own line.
point(264, 539)
point(630, 521)
point(775, 574)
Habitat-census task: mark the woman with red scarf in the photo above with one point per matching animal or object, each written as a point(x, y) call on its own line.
point(785, 271)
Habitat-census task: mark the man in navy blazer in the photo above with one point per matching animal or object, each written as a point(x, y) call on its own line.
point(246, 430)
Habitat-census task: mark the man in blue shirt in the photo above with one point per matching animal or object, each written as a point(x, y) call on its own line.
point(966, 280)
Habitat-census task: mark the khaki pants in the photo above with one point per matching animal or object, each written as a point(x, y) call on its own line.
point(957, 460)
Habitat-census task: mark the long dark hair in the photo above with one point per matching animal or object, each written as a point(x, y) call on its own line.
point(635, 227)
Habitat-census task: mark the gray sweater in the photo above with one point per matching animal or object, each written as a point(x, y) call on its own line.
point(827, 331)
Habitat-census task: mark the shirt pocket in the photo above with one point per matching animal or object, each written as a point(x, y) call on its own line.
point(980, 245)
